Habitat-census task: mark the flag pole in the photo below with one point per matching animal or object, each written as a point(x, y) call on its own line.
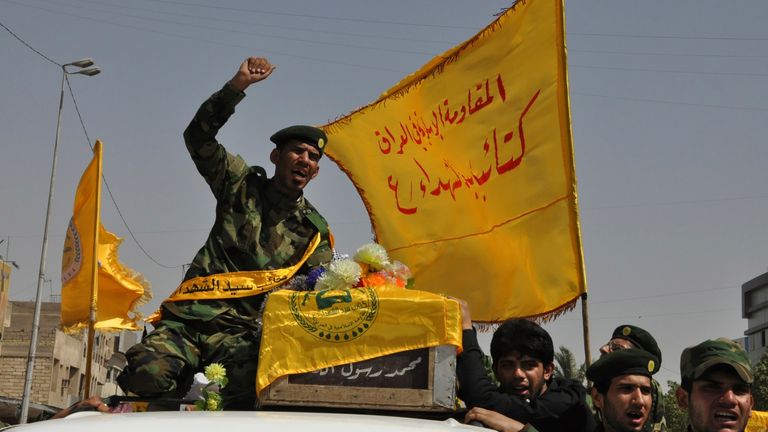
point(94, 277)
point(585, 328)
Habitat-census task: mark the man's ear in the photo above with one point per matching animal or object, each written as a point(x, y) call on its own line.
point(682, 398)
point(597, 398)
point(548, 370)
point(273, 155)
point(317, 171)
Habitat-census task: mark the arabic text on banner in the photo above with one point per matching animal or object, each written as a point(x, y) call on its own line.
point(466, 169)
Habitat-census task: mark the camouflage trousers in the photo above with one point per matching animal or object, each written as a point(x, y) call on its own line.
point(163, 364)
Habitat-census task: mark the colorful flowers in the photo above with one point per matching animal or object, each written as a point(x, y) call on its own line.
point(370, 267)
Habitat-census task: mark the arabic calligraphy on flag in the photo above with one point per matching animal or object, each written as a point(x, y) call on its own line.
point(466, 169)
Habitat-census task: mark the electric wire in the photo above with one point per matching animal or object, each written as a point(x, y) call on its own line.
point(109, 190)
point(261, 24)
point(88, 140)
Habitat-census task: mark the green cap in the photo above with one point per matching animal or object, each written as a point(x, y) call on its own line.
point(306, 134)
point(698, 359)
point(623, 362)
point(641, 338)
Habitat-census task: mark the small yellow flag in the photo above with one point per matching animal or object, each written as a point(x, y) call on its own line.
point(466, 169)
point(92, 278)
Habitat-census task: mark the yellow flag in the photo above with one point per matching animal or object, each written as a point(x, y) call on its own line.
point(92, 278)
point(306, 331)
point(466, 169)
point(121, 289)
point(758, 421)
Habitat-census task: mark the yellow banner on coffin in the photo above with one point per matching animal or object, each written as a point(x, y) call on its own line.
point(466, 169)
point(306, 331)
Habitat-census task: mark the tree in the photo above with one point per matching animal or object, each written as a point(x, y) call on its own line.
point(675, 417)
point(565, 365)
point(760, 386)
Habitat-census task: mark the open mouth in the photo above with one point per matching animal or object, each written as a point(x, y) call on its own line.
point(299, 173)
point(726, 416)
point(635, 416)
point(519, 390)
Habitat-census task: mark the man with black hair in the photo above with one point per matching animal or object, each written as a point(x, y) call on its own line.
point(622, 391)
point(716, 386)
point(522, 354)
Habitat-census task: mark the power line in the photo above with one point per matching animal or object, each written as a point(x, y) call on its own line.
point(386, 49)
point(665, 295)
point(109, 190)
point(634, 53)
point(151, 30)
point(88, 140)
point(262, 35)
point(323, 17)
point(28, 45)
point(670, 102)
point(251, 24)
point(746, 74)
point(639, 36)
point(670, 203)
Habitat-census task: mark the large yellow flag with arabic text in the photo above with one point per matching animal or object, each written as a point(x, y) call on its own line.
point(91, 275)
point(466, 169)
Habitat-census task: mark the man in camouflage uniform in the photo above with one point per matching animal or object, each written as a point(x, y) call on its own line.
point(716, 386)
point(261, 224)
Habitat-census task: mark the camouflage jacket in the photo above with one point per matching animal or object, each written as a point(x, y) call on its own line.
point(256, 227)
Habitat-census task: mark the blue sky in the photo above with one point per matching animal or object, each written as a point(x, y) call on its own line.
point(668, 102)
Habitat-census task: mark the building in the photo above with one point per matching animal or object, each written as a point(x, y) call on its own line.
point(59, 368)
point(754, 307)
point(5, 286)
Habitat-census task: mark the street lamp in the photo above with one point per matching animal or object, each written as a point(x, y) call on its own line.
point(85, 67)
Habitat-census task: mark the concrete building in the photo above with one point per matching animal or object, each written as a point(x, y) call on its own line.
point(5, 286)
point(754, 307)
point(59, 368)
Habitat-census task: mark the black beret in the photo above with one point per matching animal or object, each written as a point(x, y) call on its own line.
point(623, 362)
point(306, 134)
point(639, 337)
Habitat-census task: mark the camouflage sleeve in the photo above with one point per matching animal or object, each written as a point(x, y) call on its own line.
point(324, 252)
point(218, 167)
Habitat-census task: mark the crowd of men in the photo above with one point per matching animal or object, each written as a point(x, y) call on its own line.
point(265, 224)
point(716, 388)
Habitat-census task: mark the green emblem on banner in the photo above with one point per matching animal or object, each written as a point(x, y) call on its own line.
point(335, 315)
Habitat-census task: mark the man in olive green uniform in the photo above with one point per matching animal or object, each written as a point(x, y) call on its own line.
point(622, 390)
point(627, 336)
point(264, 229)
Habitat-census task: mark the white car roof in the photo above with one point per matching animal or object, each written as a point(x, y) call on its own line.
point(223, 421)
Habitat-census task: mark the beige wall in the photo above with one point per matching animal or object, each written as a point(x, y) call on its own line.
point(60, 364)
